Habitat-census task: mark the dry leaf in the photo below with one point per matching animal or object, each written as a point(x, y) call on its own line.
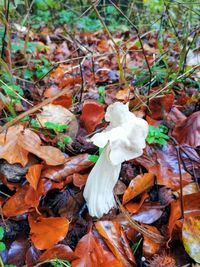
point(33, 175)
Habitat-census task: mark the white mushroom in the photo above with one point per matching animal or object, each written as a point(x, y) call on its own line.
point(123, 139)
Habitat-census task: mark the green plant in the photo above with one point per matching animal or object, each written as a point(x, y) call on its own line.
point(157, 135)
point(57, 127)
point(55, 263)
point(102, 94)
point(66, 140)
point(2, 248)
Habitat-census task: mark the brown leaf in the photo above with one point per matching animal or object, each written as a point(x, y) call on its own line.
point(33, 175)
point(16, 204)
point(148, 214)
point(166, 168)
point(188, 131)
point(79, 180)
point(69, 81)
point(46, 232)
point(150, 247)
point(160, 106)
point(72, 165)
point(113, 235)
point(92, 251)
point(92, 114)
point(58, 251)
point(138, 185)
point(10, 148)
point(32, 256)
point(31, 142)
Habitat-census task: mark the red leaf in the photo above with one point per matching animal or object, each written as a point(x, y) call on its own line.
point(92, 114)
point(69, 81)
point(46, 232)
point(150, 247)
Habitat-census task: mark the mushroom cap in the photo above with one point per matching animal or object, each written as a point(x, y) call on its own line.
point(126, 134)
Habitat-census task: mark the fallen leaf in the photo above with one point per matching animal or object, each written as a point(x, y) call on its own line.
point(191, 237)
point(33, 175)
point(79, 180)
point(32, 256)
point(160, 106)
point(134, 207)
point(46, 232)
point(150, 247)
point(92, 114)
point(16, 204)
point(148, 214)
point(72, 165)
point(59, 251)
point(138, 185)
point(31, 142)
point(113, 235)
point(64, 101)
point(17, 252)
point(188, 131)
point(92, 251)
point(69, 81)
point(10, 148)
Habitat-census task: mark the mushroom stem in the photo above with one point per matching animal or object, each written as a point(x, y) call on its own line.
point(98, 191)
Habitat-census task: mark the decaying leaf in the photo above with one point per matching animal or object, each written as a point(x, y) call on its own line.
point(150, 247)
point(138, 185)
point(10, 148)
point(191, 237)
point(31, 142)
point(46, 232)
point(188, 131)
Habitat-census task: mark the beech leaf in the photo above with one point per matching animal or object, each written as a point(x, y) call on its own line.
point(46, 232)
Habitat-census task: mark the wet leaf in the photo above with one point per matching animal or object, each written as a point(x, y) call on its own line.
point(150, 247)
point(148, 214)
point(79, 180)
point(92, 114)
point(33, 175)
point(10, 148)
point(61, 252)
point(16, 204)
point(92, 251)
point(134, 207)
point(138, 185)
point(17, 252)
point(31, 142)
point(72, 165)
point(69, 81)
point(46, 232)
point(191, 237)
point(114, 237)
point(188, 131)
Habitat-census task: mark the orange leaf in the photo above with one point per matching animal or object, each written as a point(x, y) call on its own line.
point(115, 239)
point(31, 142)
point(138, 185)
point(63, 100)
point(92, 252)
point(59, 251)
point(33, 175)
point(10, 149)
point(46, 232)
point(16, 204)
point(150, 247)
point(69, 81)
point(134, 207)
point(92, 115)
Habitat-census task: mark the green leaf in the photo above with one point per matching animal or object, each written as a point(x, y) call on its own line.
point(28, 74)
point(60, 144)
point(93, 158)
point(2, 246)
point(35, 123)
point(1, 232)
point(67, 139)
point(56, 126)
